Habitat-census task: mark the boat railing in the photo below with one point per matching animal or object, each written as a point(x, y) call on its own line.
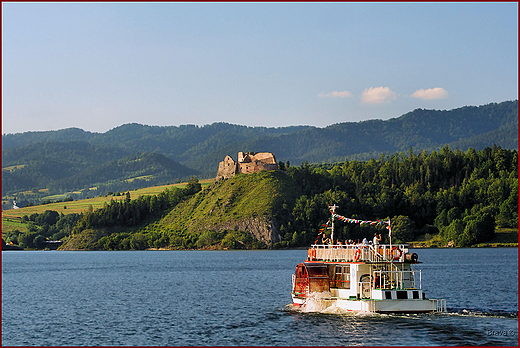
point(397, 279)
point(440, 305)
point(358, 253)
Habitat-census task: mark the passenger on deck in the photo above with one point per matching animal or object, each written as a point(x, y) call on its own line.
point(325, 240)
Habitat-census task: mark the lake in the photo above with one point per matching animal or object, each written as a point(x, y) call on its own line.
point(168, 298)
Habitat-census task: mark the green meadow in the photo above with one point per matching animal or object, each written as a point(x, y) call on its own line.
point(11, 219)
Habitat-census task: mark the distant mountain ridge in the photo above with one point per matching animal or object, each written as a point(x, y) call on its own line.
point(67, 166)
point(199, 149)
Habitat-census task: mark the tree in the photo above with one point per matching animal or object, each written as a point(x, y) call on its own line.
point(26, 240)
point(193, 186)
point(403, 229)
point(479, 228)
point(508, 213)
point(39, 241)
point(452, 231)
point(138, 242)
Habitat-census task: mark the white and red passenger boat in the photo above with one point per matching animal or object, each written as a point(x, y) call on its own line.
point(373, 278)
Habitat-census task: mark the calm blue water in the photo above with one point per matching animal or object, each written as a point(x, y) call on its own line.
point(184, 298)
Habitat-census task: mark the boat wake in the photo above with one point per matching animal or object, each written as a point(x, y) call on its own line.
point(321, 302)
point(318, 303)
point(481, 313)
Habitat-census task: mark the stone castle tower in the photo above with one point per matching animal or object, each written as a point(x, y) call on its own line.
point(249, 162)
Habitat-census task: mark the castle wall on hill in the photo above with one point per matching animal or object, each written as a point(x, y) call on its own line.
point(249, 162)
point(227, 168)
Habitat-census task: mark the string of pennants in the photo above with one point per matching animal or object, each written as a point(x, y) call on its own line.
point(353, 221)
point(361, 222)
point(356, 221)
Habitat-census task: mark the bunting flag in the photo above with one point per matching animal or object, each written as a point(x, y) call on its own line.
point(361, 222)
point(322, 230)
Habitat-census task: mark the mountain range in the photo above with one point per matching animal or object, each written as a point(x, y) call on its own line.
point(135, 155)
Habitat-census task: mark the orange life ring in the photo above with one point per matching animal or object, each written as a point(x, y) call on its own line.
point(311, 253)
point(357, 255)
point(395, 258)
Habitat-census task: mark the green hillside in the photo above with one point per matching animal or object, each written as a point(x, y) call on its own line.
point(79, 166)
point(246, 202)
point(238, 211)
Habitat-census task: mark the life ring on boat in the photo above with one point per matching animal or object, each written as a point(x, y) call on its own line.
point(400, 253)
point(357, 255)
point(311, 253)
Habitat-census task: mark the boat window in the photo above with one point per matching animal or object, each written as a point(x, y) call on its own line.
point(415, 295)
point(388, 295)
point(341, 277)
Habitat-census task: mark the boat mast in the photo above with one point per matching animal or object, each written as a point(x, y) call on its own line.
point(390, 233)
point(332, 228)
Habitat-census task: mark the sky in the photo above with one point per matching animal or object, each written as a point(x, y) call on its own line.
point(96, 66)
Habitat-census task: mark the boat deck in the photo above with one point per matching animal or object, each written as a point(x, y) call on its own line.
point(360, 253)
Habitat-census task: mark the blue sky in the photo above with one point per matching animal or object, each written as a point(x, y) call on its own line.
point(96, 66)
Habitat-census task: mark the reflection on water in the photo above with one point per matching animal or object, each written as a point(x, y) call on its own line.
point(413, 329)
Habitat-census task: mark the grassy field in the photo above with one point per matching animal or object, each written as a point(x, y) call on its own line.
point(11, 219)
point(12, 168)
point(6, 199)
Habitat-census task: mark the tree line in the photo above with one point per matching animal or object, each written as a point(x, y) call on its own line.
point(459, 196)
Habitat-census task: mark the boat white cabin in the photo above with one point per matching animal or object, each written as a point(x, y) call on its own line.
point(363, 278)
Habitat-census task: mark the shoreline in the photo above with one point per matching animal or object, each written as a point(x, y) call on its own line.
point(487, 245)
point(299, 248)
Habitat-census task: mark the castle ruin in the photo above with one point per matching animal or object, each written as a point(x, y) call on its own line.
point(249, 162)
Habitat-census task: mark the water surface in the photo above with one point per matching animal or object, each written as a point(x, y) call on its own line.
point(239, 298)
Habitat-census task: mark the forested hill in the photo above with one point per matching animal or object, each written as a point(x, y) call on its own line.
point(201, 148)
point(61, 167)
point(444, 198)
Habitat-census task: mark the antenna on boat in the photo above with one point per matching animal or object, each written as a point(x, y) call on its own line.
point(333, 210)
point(390, 235)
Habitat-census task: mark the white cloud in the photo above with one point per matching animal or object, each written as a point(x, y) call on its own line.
point(432, 93)
point(377, 95)
point(335, 94)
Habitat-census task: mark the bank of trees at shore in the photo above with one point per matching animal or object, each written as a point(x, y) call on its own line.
point(459, 196)
point(462, 195)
